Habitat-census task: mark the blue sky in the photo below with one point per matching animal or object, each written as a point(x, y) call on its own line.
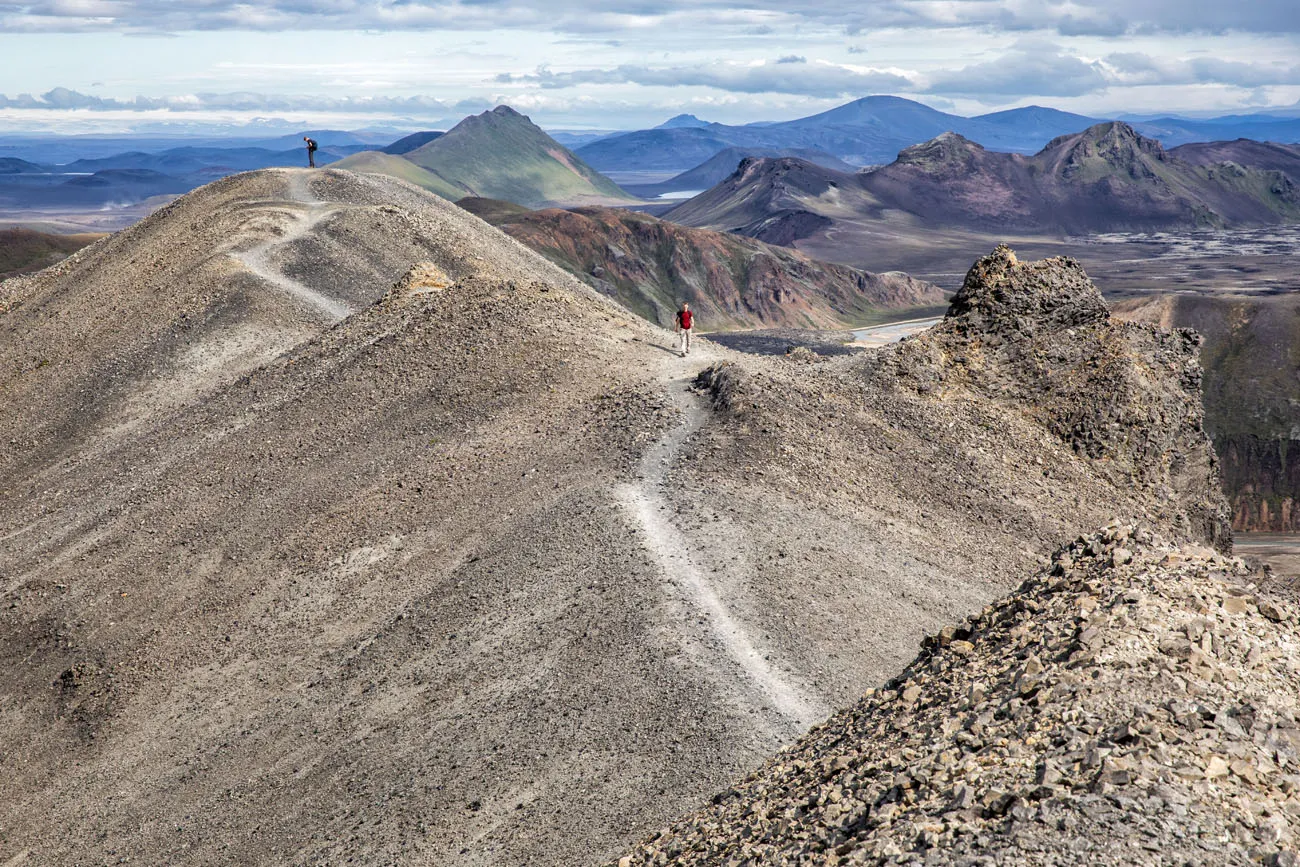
point(124, 64)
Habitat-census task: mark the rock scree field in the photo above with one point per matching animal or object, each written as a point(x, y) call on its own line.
point(468, 566)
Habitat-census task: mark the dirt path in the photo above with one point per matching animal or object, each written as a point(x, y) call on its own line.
point(310, 213)
point(740, 659)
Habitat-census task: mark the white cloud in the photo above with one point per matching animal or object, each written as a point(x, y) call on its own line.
point(789, 75)
point(1066, 17)
point(62, 99)
point(1029, 69)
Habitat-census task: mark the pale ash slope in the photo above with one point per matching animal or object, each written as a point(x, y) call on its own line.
point(472, 578)
point(209, 288)
point(1135, 704)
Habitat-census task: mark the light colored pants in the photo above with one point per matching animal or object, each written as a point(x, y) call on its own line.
point(684, 339)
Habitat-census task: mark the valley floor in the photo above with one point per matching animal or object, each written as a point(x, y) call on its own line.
point(1123, 264)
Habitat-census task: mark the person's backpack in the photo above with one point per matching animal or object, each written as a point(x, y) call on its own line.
point(311, 144)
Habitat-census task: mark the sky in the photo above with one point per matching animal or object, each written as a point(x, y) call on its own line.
point(124, 65)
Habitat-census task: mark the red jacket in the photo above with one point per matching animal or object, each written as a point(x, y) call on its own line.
point(684, 318)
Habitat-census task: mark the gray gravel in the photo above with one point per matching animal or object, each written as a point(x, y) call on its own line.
point(279, 591)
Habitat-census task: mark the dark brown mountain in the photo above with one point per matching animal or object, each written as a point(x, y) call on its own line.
point(1252, 386)
point(777, 200)
point(1106, 178)
point(650, 266)
point(23, 250)
point(1264, 155)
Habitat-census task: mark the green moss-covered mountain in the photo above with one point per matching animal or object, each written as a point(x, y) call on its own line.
point(499, 154)
point(395, 166)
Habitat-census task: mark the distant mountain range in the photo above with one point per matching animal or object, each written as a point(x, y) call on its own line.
point(499, 154)
point(135, 176)
point(868, 131)
point(874, 129)
point(502, 154)
point(651, 266)
point(1106, 178)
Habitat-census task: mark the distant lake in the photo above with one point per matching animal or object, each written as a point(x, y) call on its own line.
point(680, 194)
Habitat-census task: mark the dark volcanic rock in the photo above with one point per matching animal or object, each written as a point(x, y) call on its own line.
point(1000, 293)
point(1127, 395)
point(1128, 705)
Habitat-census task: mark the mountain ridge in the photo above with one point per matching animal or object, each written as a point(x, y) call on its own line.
point(460, 566)
point(1106, 178)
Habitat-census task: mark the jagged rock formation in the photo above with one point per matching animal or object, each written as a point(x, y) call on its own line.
point(308, 555)
point(1264, 155)
point(778, 201)
point(651, 266)
point(1136, 703)
point(1040, 335)
point(723, 164)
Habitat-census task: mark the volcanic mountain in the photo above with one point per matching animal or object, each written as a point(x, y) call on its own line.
point(1107, 178)
point(651, 266)
point(777, 200)
point(866, 131)
point(724, 163)
point(1266, 156)
point(499, 154)
point(338, 525)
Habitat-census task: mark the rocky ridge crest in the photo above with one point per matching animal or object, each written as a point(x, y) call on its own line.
point(1127, 395)
point(1134, 702)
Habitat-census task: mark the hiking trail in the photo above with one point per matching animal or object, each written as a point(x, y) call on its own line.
point(647, 501)
point(311, 213)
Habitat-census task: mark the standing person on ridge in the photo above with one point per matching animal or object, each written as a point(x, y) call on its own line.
point(685, 321)
point(311, 152)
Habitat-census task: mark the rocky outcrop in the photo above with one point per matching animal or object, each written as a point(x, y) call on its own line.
point(1134, 703)
point(1124, 394)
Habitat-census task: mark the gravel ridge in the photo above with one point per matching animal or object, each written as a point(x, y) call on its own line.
point(1136, 702)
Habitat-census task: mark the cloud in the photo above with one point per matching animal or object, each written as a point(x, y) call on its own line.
point(794, 76)
point(1066, 17)
point(61, 98)
point(1136, 69)
point(1028, 70)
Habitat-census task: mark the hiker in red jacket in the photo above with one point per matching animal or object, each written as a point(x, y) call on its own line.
point(685, 319)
